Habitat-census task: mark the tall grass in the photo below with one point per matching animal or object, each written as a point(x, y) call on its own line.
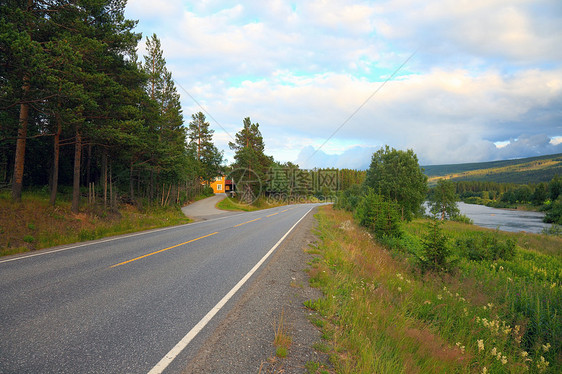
point(34, 224)
point(383, 315)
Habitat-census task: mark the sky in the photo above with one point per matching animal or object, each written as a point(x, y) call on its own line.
point(332, 81)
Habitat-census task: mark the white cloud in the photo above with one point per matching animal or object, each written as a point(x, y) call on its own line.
point(487, 71)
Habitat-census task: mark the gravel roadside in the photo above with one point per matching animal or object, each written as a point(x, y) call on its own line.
point(243, 341)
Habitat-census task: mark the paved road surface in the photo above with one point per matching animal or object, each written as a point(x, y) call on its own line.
point(205, 209)
point(120, 305)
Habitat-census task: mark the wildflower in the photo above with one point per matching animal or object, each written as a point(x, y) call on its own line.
point(484, 370)
point(400, 276)
point(480, 345)
point(542, 364)
point(525, 355)
point(439, 297)
point(399, 289)
point(546, 347)
point(485, 307)
point(501, 267)
point(504, 360)
point(494, 351)
point(499, 356)
point(490, 305)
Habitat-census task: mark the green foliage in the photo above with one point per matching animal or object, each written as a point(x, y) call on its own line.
point(486, 247)
point(29, 238)
point(554, 212)
point(378, 215)
point(435, 249)
point(397, 176)
point(349, 198)
point(208, 158)
point(462, 219)
point(443, 200)
point(251, 164)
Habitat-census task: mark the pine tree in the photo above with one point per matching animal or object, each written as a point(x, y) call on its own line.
point(208, 157)
point(251, 164)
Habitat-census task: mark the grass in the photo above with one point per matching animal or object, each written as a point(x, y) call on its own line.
point(382, 315)
point(234, 204)
point(34, 224)
point(282, 340)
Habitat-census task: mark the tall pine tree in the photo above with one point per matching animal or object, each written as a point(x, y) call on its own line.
point(208, 157)
point(251, 164)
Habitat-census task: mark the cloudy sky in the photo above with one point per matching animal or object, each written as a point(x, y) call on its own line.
point(454, 80)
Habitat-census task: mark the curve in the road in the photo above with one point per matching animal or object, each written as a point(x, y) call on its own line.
point(205, 209)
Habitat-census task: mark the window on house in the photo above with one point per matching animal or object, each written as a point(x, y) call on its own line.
point(219, 187)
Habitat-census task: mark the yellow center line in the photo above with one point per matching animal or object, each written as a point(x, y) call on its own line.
point(162, 250)
point(284, 210)
point(240, 224)
point(271, 215)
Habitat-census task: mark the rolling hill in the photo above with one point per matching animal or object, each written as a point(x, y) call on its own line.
point(523, 171)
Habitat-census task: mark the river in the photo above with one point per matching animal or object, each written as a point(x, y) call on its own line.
point(504, 219)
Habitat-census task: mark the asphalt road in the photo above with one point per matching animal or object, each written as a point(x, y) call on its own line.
point(128, 304)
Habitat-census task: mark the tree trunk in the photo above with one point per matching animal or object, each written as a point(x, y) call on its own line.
point(76, 184)
point(17, 180)
point(56, 153)
point(104, 176)
point(89, 164)
point(131, 184)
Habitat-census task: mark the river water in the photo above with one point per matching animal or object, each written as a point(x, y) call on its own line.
point(504, 219)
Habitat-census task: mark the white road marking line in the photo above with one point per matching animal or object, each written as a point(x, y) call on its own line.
point(176, 350)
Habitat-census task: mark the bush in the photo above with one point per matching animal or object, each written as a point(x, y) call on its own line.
point(378, 215)
point(554, 213)
point(486, 247)
point(207, 191)
point(462, 219)
point(349, 198)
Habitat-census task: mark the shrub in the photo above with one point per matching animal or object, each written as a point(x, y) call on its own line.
point(28, 239)
point(462, 219)
point(349, 198)
point(207, 191)
point(378, 215)
point(486, 247)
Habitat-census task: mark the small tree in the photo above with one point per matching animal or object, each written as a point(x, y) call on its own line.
point(443, 200)
point(435, 249)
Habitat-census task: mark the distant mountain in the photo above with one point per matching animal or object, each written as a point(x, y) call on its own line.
point(524, 170)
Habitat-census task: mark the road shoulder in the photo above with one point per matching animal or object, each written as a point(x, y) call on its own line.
point(243, 341)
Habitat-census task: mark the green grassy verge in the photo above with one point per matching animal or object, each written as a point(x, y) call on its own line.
point(381, 315)
point(34, 224)
point(234, 204)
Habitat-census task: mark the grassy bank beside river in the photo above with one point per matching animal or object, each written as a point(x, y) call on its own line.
point(381, 314)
